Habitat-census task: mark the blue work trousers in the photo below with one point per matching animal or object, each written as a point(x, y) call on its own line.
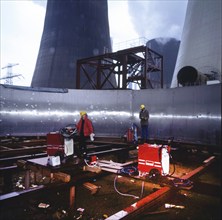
point(144, 131)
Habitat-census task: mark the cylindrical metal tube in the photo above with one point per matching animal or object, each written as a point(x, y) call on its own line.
point(189, 114)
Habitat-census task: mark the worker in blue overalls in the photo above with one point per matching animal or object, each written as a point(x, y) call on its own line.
point(144, 118)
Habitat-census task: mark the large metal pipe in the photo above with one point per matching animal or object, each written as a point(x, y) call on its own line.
point(72, 30)
point(188, 76)
point(189, 114)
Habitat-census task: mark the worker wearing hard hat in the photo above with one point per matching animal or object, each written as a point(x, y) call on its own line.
point(144, 118)
point(85, 130)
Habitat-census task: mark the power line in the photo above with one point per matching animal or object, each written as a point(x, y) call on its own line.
point(9, 73)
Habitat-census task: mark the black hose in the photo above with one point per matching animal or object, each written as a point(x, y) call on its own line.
point(68, 131)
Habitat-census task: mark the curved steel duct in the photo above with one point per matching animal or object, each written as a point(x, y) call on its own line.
point(189, 114)
point(189, 76)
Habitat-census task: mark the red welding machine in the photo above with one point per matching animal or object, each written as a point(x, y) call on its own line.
point(153, 159)
point(57, 144)
point(61, 143)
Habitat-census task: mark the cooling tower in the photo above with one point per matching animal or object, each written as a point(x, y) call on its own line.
point(168, 48)
point(72, 30)
point(200, 48)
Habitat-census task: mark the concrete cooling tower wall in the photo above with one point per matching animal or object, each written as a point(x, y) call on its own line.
point(200, 46)
point(72, 30)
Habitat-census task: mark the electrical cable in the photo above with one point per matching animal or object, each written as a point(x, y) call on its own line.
point(142, 189)
point(170, 141)
point(89, 165)
point(132, 171)
point(123, 194)
point(68, 131)
point(182, 182)
point(174, 167)
point(129, 170)
point(178, 181)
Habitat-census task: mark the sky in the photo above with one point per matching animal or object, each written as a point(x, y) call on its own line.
point(131, 22)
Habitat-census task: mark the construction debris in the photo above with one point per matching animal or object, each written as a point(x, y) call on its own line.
point(167, 206)
point(62, 176)
point(43, 205)
point(93, 188)
point(93, 169)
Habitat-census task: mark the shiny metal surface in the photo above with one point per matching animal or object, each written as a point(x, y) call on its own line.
point(189, 114)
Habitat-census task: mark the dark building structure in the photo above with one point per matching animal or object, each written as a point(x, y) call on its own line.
point(168, 48)
point(72, 30)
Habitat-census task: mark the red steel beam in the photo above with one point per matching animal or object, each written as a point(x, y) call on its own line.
point(142, 204)
point(154, 198)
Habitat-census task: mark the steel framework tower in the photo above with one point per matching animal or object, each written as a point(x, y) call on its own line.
point(131, 66)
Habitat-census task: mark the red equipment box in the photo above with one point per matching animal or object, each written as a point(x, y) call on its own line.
point(55, 144)
point(153, 158)
point(129, 135)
